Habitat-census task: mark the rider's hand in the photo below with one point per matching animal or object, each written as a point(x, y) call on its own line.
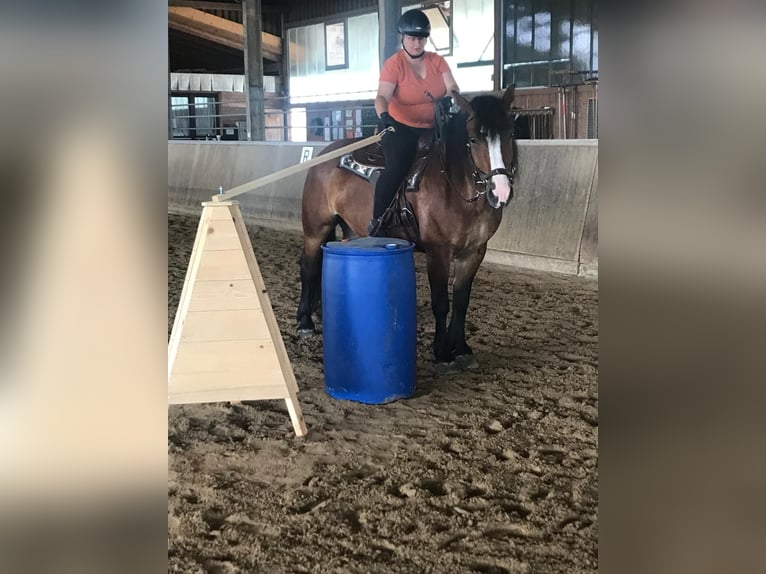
point(387, 121)
point(445, 104)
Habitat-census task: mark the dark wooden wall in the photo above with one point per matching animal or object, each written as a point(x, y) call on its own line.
point(306, 10)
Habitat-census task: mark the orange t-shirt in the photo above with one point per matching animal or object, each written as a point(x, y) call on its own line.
point(409, 104)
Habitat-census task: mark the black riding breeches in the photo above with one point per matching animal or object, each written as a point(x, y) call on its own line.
point(399, 150)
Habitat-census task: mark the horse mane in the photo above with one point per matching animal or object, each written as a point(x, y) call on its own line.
point(452, 145)
point(491, 118)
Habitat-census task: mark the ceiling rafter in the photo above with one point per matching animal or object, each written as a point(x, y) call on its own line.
point(203, 25)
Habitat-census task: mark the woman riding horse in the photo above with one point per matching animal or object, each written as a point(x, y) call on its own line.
point(458, 207)
point(410, 82)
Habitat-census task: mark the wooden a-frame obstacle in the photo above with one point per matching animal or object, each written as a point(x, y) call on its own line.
point(225, 344)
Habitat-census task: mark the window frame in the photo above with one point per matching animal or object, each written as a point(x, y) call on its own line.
point(191, 115)
point(328, 24)
point(524, 70)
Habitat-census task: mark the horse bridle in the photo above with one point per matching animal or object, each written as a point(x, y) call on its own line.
point(480, 178)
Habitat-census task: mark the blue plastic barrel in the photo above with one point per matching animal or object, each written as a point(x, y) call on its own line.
point(369, 319)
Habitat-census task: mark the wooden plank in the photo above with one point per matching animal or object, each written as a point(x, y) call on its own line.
point(199, 382)
point(234, 325)
point(288, 171)
point(256, 357)
point(296, 416)
point(224, 295)
point(268, 312)
point(220, 214)
point(186, 291)
point(221, 265)
point(222, 236)
point(213, 393)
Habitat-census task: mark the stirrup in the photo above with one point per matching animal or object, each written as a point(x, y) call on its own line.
point(373, 228)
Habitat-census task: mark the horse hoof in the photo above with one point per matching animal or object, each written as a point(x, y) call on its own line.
point(467, 362)
point(447, 369)
point(304, 333)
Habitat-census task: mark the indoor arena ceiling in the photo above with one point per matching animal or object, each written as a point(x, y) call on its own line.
point(203, 36)
point(207, 36)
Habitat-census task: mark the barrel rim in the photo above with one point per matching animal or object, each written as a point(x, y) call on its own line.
point(366, 250)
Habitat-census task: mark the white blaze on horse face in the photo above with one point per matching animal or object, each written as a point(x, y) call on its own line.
point(502, 183)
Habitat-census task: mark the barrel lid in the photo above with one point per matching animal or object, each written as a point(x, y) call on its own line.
point(369, 246)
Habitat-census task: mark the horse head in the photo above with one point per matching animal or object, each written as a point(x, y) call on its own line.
point(492, 153)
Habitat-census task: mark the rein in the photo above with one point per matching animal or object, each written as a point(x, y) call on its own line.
point(480, 178)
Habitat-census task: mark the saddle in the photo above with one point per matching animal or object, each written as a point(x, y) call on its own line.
point(366, 161)
point(399, 218)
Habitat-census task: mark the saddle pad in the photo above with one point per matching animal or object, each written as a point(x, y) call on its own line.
point(372, 155)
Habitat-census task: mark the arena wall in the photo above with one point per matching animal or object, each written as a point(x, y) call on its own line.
point(551, 225)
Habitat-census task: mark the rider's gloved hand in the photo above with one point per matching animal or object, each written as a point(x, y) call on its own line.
point(387, 121)
point(445, 104)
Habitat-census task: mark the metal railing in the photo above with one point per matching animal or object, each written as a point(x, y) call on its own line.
point(294, 122)
point(320, 122)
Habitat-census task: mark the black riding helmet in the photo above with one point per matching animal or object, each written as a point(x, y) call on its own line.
point(415, 23)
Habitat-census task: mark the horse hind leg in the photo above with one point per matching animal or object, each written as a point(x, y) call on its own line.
point(311, 277)
point(308, 272)
point(348, 233)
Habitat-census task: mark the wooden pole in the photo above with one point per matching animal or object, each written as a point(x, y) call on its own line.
point(497, 83)
point(251, 185)
point(253, 26)
point(389, 12)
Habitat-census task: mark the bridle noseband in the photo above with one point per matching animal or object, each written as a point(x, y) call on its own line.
point(480, 178)
point(485, 179)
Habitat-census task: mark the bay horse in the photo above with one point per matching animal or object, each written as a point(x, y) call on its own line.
point(458, 206)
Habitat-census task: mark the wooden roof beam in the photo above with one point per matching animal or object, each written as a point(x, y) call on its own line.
point(220, 30)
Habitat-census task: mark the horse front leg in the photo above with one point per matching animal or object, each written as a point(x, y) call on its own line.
point(438, 279)
point(465, 270)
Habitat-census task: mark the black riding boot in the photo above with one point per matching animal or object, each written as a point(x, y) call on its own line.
point(373, 228)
